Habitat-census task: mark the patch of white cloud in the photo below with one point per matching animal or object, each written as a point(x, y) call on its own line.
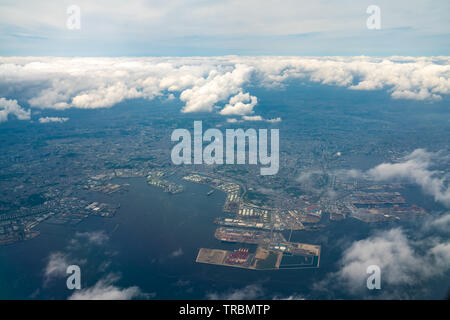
point(176, 253)
point(416, 168)
point(57, 263)
point(218, 87)
point(274, 120)
point(290, 297)
point(259, 118)
point(389, 250)
point(233, 120)
point(11, 107)
point(250, 292)
point(404, 262)
point(52, 119)
point(56, 266)
point(349, 173)
point(94, 237)
point(252, 118)
point(240, 104)
point(441, 224)
point(106, 289)
point(306, 175)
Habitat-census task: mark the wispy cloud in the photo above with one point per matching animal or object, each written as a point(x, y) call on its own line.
point(106, 289)
point(52, 119)
point(404, 261)
point(56, 266)
point(11, 107)
point(176, 253)
point(94, 237)
point(253, 291)
point(418, 167)
point(211, 27)
point(57, 262)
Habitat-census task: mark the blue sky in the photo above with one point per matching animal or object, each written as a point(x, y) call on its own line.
point(205, 28)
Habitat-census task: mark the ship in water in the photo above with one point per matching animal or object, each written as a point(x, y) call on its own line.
point(210, 192)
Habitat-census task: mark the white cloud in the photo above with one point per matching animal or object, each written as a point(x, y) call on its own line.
point(349, 173)
point(176, 253)
point(218, 87)
point(389, 250)
point(250, 292)
point(209, 84)
point(240, 104)
point(416, 168)
point(58, 261)
point(402, 261)
point(252, 118)
point(215, 19)
point(233, 120)
point(441, 254)
point(259, 118)
point(411, 260)
point(11, 107)
point(52, 119)
point(94, 237)
point(291, 297)
point(441, 224)
point(105, 289)
point(306, 176)
point(56, 266)
point(274, 120)
point(105, 96)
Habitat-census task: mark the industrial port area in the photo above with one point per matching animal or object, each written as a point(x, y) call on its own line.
point(275, 256)
point(247, 223)
point(261, 226)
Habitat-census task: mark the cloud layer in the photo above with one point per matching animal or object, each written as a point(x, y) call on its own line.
point(216, 84)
